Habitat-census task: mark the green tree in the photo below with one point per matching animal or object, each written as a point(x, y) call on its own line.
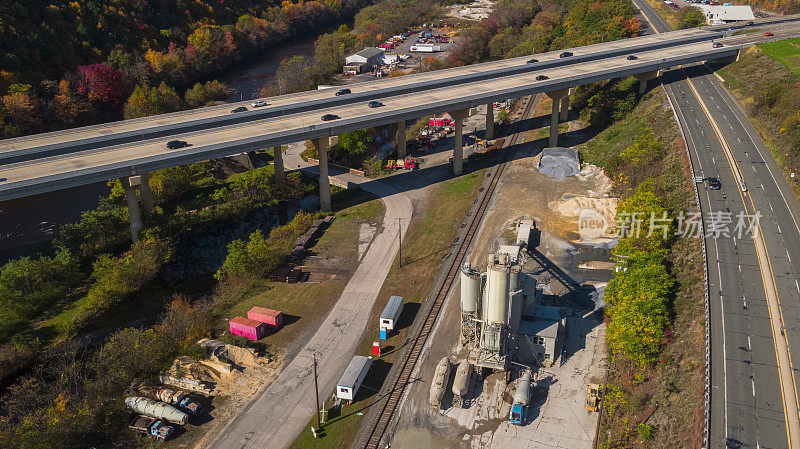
point(355, 142)
point(691, 17)
point(145, 101)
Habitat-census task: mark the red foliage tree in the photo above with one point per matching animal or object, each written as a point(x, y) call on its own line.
point(102, 84)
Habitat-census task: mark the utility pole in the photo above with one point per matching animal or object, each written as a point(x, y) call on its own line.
point(400, 239)
point(316, 390)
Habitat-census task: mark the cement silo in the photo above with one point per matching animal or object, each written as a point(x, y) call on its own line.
point(470, 288)
point(497, 284)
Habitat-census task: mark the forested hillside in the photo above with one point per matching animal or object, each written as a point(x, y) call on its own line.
point(72, 63)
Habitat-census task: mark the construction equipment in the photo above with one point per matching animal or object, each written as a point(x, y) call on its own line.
point(593, 398)
point(440, 378)
point(409, 163)
point(521, 397)
point(153, 427)
point(161, 393)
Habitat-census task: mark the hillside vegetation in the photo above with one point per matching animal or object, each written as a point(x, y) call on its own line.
point(654, 391)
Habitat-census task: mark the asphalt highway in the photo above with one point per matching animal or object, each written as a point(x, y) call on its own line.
point(754, 292)
point(56, 172)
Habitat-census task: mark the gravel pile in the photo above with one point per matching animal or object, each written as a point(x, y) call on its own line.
point(560, 162)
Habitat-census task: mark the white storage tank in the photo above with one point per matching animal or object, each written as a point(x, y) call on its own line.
point(440, 378)
point(470, 288)
point(461, 383)
point(496, 307)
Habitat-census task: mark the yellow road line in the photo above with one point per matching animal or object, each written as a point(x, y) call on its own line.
point(789, 395)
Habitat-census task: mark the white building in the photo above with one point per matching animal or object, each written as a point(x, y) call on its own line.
point(726, 14)
point(364, 61)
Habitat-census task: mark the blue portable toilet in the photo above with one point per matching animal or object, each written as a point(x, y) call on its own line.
point(383, 334)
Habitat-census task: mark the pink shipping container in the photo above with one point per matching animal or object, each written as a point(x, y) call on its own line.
point(248, 328)
point(272, 318)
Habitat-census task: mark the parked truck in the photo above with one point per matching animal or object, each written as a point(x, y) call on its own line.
point(593, 398)
point(521, 398)
point(153, 427)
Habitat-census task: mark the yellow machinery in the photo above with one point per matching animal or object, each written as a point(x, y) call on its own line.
point(593, 398)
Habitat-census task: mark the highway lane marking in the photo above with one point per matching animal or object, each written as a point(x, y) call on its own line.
point(793, 430)
point(797, 285)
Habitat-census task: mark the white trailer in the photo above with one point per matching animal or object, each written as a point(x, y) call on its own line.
point(352, 378)
point(391, 313)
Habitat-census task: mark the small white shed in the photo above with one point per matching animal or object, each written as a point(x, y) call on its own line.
point(349, 383)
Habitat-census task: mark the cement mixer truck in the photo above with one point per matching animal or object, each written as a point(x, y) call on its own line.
point(461, 383)
point(440, 377)
point(521, 398)
point(156, 409)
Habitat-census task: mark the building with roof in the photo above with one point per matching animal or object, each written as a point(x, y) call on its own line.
point(544, 337)
point(364, 61)
point(726, 14)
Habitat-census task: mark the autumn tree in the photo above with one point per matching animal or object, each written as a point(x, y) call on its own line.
point(145, 101)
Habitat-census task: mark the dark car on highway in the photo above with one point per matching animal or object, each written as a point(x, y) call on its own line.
point(716, 44)
point(541, 77)
point(565, 54)
point(532, 61)
point(342, 92)
point(175, 144)
point(632, 57)
point(375, 104)
point(713, 183)
point(239, 109)
point(328, 117)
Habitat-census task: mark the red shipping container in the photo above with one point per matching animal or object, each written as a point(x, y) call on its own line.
point(272, 318)
point(248, 328)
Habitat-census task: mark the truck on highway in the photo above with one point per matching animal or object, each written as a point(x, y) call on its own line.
point(150, 426)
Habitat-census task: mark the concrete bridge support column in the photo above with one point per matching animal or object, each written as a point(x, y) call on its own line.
point(322, 144)
point(644, 78)
point(135, 216)
point(146, 193)
point(277, 164)
point(458, 149)
point(556, 96)
point(490, 121)
point(401, 139)
point(564, 114)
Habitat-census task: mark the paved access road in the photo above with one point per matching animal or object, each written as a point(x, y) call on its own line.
point(750, 391)
point(281, 412)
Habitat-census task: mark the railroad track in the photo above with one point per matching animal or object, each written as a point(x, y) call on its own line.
point(402, 380)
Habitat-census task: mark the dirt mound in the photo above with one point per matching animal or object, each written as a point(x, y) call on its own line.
point(560, 162)
point(225, 352)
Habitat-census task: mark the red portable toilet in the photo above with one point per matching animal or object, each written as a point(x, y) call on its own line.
point(376, 349)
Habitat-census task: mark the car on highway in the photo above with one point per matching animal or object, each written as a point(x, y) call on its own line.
point(632, 57)
point(768, 34)
point(532, 61)
point(329, 117)
point(259, 103)
point(239, 109)
point(375, 104)
point(713, 183)
point(717, 44)
point(750, 23)
point(175, 144)
point(541, 77)
point(565, 54)
point(341, 92)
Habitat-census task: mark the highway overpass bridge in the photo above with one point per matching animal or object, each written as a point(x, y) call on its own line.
point(130, 149)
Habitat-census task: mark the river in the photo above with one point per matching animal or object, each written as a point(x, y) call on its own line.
point(28, 224)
